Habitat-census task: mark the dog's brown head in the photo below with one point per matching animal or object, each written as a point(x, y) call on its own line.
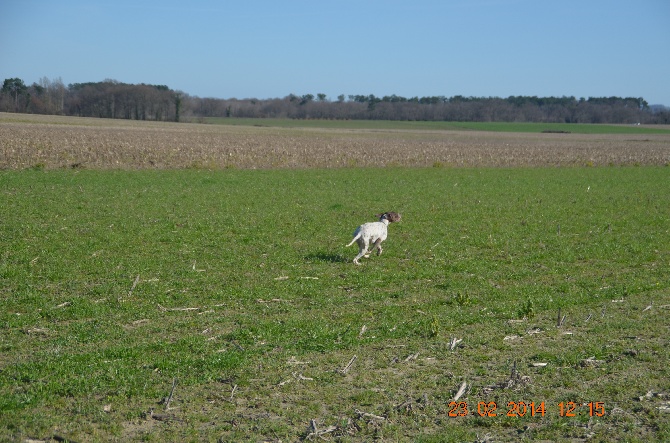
point(390, 216)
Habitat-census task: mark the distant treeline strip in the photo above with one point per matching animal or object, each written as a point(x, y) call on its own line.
point(113, 99)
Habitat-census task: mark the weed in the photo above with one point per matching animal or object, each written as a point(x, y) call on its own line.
point(462, 298)
point(434, 327)
point(527, 309)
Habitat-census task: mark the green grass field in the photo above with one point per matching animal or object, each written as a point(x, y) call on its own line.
point(442, 126)
point(233, 291)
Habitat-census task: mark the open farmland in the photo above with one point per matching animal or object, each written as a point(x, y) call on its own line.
point(60, 142)
point(200, 300)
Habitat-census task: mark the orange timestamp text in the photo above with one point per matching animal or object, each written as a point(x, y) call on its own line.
point(525, 409)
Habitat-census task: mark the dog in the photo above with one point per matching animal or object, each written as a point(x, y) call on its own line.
point(373, 233)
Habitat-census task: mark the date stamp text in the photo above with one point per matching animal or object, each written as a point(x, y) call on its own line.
point(526, 409)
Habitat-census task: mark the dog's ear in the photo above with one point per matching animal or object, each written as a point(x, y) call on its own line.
point(379, 215)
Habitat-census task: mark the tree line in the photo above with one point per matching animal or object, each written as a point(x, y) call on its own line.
point(113, 99)
point(106, 99)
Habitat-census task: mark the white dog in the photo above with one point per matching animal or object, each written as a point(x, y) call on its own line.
point(375, 233)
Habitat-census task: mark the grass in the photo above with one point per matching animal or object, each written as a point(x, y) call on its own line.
point(235, 286)
point(577, 128)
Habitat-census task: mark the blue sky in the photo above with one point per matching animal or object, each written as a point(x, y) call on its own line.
point(266, 49)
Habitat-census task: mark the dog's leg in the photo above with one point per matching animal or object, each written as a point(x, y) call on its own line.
point(362, 250)
point(361, 253)
point(367, 252)
point(378, 246)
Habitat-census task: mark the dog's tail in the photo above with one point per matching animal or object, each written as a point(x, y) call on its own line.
point(355, 238)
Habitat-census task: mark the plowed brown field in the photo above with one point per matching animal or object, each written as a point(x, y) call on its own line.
point(28, 141)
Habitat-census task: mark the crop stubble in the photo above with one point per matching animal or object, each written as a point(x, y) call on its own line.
point(62, 142)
